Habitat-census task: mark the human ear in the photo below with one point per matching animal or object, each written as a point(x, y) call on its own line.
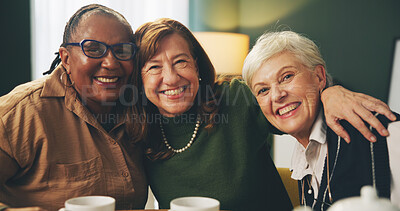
point(321, 75)
point(64, 55)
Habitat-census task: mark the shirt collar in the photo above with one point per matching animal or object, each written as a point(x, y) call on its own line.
point(318, 131)
point(300, 161)
point(53, 86)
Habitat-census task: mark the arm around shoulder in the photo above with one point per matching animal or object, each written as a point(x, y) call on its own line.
point(340, 103)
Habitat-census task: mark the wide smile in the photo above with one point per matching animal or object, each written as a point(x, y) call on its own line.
point(174, 92)
point(107, 80)
point(287, 109)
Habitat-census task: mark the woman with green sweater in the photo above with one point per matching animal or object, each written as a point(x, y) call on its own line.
point(207, 138)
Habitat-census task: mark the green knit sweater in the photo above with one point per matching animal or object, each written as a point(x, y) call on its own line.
point(230, 163)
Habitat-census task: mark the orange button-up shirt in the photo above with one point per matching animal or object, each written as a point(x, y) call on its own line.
point(52, 149)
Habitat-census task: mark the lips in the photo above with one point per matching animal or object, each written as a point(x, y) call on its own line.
point(173, 92)
point(287, 109)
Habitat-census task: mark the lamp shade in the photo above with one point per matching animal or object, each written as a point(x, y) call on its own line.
point(227, 51)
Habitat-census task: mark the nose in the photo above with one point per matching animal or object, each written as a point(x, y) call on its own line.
point(278, 92)
point(109, 61)
point(170, 75)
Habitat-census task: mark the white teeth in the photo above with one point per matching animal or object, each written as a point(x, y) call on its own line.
point(174, 91)
point(107, 80)
point(288, 109)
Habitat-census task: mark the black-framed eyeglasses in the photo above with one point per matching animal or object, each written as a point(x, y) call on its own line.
point(96, 49)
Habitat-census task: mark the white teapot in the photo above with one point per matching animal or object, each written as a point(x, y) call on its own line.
point(368, 201)
point(302, 208)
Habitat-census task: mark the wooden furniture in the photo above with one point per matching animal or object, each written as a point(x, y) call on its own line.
point(291, 185)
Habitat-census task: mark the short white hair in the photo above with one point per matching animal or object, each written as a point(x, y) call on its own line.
point(273, 43)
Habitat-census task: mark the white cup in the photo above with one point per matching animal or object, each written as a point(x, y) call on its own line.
point(194, 203)
point(90, 203)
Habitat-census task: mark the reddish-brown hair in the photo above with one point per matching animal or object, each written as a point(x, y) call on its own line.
point(148, 38)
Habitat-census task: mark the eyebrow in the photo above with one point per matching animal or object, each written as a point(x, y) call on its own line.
point(152, 61)
point(257, 84)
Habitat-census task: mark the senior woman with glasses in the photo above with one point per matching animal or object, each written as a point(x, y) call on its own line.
point(287, 74)
point(67, 134)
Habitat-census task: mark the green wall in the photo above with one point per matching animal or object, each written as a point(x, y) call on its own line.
point(15, 59)
point(356, 37)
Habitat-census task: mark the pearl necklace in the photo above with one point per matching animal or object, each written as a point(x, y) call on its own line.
point(188, 144)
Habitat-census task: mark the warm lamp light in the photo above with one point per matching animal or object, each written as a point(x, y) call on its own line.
point(227, 51)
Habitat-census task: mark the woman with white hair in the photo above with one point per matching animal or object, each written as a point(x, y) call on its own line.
point(287, 74)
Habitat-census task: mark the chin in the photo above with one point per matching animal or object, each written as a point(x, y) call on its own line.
point(177, 112)
point(170, 113)
point(293, 130)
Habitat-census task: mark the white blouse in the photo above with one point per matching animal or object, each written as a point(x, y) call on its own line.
point(310, 160)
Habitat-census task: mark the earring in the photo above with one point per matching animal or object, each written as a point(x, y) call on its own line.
point(199, 79)
point(67, 85)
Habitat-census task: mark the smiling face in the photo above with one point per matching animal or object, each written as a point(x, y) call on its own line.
point(98, 81)
point(288, 93)
point(170, 77)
